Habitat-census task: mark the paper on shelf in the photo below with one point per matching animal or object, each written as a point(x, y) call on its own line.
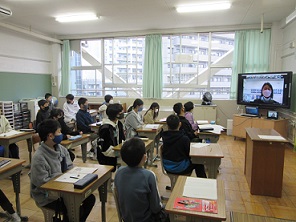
point(199, 145)
point(270, 137)
point(200, 188)
point(10, 133)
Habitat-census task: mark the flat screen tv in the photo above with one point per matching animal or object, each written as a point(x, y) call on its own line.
point(268, 89)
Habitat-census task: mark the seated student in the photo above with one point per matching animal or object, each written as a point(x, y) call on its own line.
point(185, 125)
point(176, 148)
point(151, 114)
point(83, 120)
point(70, 108)
point(133, 120)
point(111, 134)
point(5, 128)
point(137, 190)
point(42, 113)
point(103, 108)
point(189, 116)
point(58, 114)
point(49, 161)
point(8, 208)
point(48, 98)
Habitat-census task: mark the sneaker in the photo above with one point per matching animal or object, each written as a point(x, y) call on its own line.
point(13, 217)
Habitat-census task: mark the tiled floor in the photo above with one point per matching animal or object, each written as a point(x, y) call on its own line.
point(238, 197)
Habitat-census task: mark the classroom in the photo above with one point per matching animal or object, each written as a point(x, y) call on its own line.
point(152, 51)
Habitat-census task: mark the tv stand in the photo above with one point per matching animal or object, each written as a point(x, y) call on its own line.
point(240, 123)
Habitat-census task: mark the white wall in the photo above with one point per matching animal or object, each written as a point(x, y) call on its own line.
point(288, 55)
point(24, 54)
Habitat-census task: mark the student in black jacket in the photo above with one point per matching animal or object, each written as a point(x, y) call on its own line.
point(185, 125)
point(42, 113)
point(58, 114)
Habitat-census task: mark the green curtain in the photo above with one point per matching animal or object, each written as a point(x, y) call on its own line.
point(66, 69)
point(251, 54)
point(152, 73)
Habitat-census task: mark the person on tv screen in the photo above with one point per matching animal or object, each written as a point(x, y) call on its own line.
point(266, 94)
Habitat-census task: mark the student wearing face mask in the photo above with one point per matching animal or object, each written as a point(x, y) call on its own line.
point(103, 107)
point(42, 113)
point(110, 134)
point(70, 108)
point(151, 114)
point(133, 119)
point(49, 161)
point(266, 94)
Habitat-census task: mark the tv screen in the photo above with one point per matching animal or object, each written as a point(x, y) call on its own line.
point(270, 89)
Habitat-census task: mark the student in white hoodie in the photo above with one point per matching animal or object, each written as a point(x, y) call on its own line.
point(70, 108)
point(103, 108)
point(5, 128)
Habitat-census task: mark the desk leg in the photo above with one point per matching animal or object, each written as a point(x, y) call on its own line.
point(16, 187)
point(103, 199)
point(150, 155)
point(84, 151)
point(72, 202)
point(213, 166)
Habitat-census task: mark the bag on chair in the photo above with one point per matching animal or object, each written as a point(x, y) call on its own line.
point(60, 214)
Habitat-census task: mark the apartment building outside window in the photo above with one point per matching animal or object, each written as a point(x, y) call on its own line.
point(192, 65)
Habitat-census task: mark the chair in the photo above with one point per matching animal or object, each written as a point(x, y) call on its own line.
point(173, 177)
point(115, 194)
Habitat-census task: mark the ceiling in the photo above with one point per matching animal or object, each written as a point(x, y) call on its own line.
point(134, 15)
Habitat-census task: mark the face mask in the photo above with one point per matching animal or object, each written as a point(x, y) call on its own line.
point(46, 108)
point(111, 101)
point(85, 107)
point(266, 93)
point(58, 139)
point(156, 111)
point(120, 116)
point(140, 108)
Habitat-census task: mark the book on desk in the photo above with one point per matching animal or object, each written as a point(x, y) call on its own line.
point(194, 204)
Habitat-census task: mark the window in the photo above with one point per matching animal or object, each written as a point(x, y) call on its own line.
point(192, 65)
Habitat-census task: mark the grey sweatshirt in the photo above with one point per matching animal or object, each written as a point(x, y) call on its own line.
point(132, 122)
point(46, 165)
point(137, 194)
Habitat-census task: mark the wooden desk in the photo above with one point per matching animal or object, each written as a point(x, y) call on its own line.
point(95, 126)
point(148, 145)
point(80, 141)
point(209, 155)
point(264, 162)
point(7, 140)
point(74, 197)
point(13, 169)
point(163, 123)
point(152, 134)
point(183, 215)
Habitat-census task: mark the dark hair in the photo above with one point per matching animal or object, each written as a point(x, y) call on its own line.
point(46, 127)
point(47, 95)
point(188, 106)
point(108, 98)
point(130, 108)
point(270, 86)
point(113, 110)
point(177, 108)
point(42, 102)
point(153, 105)
point(82, 101)
point(69, 97)
point(138, 102)
point(56, 113)
point(173, 122)
point(132, 151)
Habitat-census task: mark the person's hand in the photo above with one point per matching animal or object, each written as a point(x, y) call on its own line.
point(68, 136)
point(80, 133)
point(196, 133)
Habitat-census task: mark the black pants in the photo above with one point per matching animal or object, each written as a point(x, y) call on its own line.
point(85, 207)
point(14, 151)
point(5, 203)
point(199, 170)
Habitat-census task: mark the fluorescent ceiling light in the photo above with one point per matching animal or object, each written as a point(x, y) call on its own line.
point(77, 17)
point(203, 7)
point(291, 17)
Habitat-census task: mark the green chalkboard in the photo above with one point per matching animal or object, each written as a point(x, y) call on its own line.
point(16, 86)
